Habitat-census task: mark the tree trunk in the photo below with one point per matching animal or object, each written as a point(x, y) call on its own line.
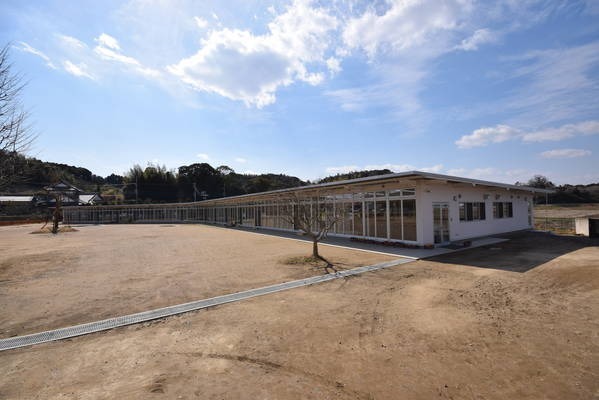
point(56, 215)
point(55, 222)
point(315, 249)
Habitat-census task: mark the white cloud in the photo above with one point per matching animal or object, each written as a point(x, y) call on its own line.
point(480, 36)
point(240, 160)
point(334, 65)
point(203, 156)
point(305, 41)
point(342, 169)
point(474, 173)
point(398, 89)
point(585, 128)
point(242, 66)
point(405, 25)
point(560, 84)
point(486, 135)
point(436, 169)
point(502, 133)
point(79, 70)
point(392, 167)
point(71, 42)
point(456, 171)
point(111, 55)
point(108, 49)
point(401, 40)
point(483, 173)
point(405, 167)
point(494, 174)
point(105, 40)
point(29, 49)
point(200, 22)
point(565, 153)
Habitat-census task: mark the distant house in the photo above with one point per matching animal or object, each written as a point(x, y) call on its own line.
point(17, 204)
point(67, 193)
point(70, 195)
point(16, 199)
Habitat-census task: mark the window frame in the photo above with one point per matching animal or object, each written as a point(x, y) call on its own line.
point(472, 211)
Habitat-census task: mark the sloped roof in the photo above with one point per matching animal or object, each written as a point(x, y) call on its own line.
point(61, 186)
point(16, 199)
point(87, 198)
point(404, 176)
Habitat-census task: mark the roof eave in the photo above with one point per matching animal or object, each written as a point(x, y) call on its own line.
point(373, 179)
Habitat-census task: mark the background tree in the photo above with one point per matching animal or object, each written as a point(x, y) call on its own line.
point(201, 176)
point(155, 183)
point(15, 134)
point(541, 182)
point(313, 218)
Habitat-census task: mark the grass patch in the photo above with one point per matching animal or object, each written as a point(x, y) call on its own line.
point(314, 262)
point(304, 260)
point(48, 229)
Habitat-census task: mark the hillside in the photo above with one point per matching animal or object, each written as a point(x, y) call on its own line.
point(155, 183)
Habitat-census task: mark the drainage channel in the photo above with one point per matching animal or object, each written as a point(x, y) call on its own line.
point(84, 329)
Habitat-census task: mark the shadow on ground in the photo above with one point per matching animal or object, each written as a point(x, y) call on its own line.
point(522, 252)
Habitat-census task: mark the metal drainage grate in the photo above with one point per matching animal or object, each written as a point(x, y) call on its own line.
point(84, 329)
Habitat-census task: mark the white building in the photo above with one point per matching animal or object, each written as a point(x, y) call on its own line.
point(417, 208)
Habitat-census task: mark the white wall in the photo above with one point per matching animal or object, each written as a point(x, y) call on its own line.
point(429, 193)
point(582, 226)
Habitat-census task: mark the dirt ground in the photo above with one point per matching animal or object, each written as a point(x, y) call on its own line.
point(516, 320)
point(98, 272)
point(566, 210)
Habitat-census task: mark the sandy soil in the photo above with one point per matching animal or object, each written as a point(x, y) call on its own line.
point(518, 320)
point(49, 281)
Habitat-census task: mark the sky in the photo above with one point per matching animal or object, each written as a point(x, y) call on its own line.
point(498, 90)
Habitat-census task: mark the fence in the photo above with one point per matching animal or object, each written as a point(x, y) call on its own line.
point(564, 226)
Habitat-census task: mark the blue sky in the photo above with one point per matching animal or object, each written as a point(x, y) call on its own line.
point(490, 90)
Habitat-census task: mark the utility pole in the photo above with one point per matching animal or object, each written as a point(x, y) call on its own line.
point(195, 190)
point(136, 192)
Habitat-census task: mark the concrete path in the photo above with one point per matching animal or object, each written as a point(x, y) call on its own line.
point(414, 254)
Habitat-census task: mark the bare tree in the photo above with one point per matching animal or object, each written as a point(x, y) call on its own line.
point(313, 216)
point(15, 134)
point(59, 193)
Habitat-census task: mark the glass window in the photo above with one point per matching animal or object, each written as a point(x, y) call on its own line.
point(347, 219)
point(357, 213)
point(381, 218)
point(472, 211)
point(409, 220)
point(330, 214)
point(402, 192)
point(370, 221)
point(503, 210)
point(508, 210)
